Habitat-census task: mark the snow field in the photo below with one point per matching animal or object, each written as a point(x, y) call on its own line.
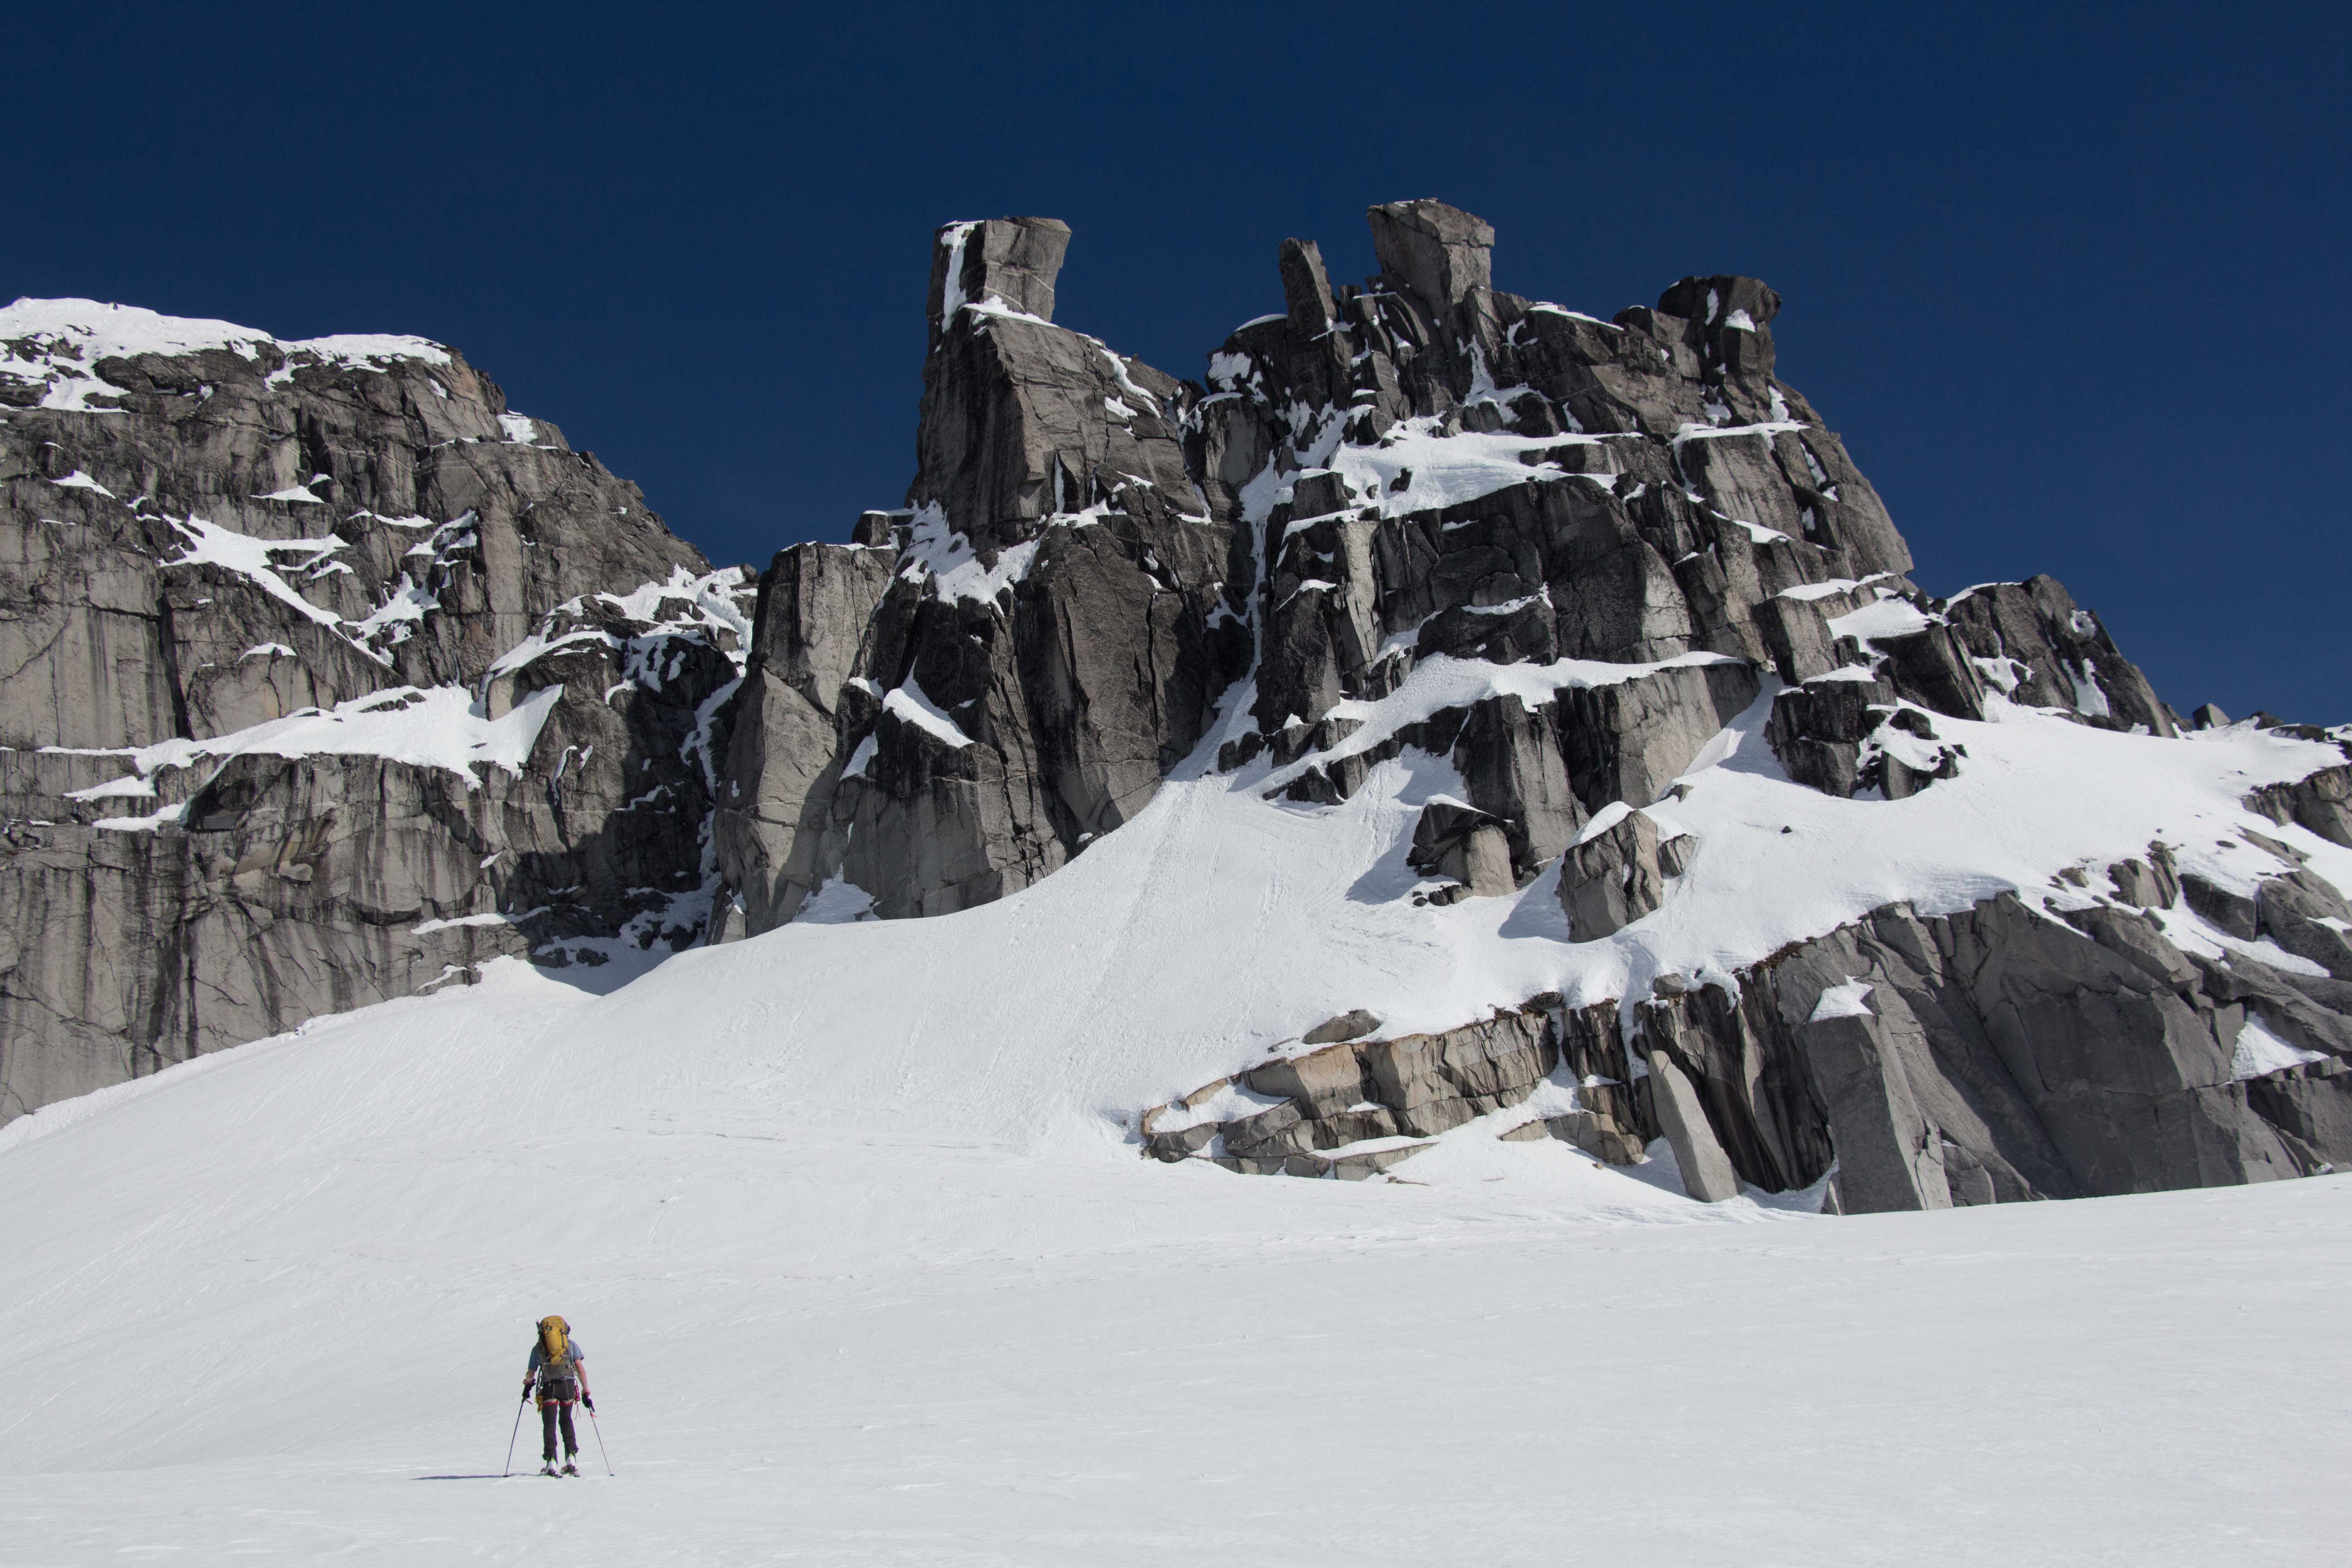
point(867, 1352)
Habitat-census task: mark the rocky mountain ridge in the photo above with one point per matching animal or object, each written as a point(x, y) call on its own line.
point(1561, 572)
point(327, 676)
point(1563, 554)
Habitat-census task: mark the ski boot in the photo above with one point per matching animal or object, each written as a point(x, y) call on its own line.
point(547, 1467)
point(570, 1468)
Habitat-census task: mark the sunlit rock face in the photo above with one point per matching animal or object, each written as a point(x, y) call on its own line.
point(327, 676)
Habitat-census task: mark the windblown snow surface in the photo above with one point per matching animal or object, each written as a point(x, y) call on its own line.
point(852, 1222)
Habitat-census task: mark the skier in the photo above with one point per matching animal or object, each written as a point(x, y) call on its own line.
point(556, 1372)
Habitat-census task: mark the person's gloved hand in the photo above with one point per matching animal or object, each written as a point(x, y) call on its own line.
point(526, 1389)
point(591, 1404)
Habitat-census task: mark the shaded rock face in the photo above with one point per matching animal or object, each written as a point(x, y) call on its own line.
point(965, 746)
point(1435, 253)
point(325, 677)
point(774, 831)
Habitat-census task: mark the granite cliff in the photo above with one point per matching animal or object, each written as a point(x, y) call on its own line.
point(328, 678)
point(324, 676)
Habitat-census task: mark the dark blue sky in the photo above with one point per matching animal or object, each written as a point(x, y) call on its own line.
point(2071, 281)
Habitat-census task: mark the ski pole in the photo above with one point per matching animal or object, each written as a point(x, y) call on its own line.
point(511, 1437)
point(597, 1427)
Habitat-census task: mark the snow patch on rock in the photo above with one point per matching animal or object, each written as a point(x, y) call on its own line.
point(2259, 1051)
point(437, 727)
point(1846, 1000)
point(57, 344)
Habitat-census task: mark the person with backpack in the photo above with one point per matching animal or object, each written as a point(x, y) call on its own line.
point(557, 1375)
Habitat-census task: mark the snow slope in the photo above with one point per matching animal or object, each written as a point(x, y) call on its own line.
point(849, 1221)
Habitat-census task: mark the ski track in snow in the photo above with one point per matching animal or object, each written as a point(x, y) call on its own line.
point(870, 1273)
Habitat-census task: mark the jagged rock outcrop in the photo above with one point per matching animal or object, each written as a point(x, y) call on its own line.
point(1867, 667)
point(1997, 1054)
point(1441, 482)
point(1296, 1112)
point(1023, 420)
point(1562, 555)
point(775, 830)
point(324, 676)
point(1421, 474)
point(2038, 647)
point(1431, 469)
point(1051, 636)
point(1462, 845)
point(2323, 802)
point(1611, 876)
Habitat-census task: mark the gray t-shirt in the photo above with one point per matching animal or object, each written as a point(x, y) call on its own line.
point(539, 1357)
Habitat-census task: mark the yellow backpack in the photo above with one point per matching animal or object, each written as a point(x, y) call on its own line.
point(558, 1377)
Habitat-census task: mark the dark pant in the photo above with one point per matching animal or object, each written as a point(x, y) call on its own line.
point(551, 1415)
